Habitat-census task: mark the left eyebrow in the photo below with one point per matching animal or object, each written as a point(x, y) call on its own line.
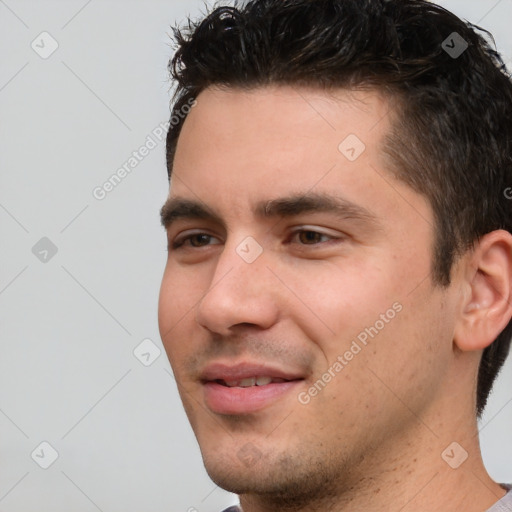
point(315, 202)
point(284, 207)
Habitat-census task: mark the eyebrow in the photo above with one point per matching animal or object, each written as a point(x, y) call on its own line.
point(178, 208)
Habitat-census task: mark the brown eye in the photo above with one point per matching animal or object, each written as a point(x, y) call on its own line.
point(199, 240)
point(310, 237)
point(194, 241)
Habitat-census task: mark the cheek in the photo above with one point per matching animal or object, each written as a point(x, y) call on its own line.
point(337, 301)
point(407, 361)
point(178, 295)
point(383, 315)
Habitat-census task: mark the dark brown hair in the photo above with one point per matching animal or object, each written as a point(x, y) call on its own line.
point(452, 132)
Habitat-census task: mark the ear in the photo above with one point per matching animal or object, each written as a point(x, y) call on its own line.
point(487, 305)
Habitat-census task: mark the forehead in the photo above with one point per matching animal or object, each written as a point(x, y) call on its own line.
point(239, 147)
point(281, 117)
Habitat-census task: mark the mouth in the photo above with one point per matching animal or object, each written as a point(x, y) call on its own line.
point(249, 382)
point(246, 388)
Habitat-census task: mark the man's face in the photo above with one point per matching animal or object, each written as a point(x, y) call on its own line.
point(305, 265)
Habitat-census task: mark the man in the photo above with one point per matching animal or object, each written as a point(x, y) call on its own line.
point(337, 298)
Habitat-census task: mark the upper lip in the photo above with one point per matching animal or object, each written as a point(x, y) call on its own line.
point(245, 370)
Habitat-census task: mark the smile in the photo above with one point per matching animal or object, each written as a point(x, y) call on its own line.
point(245, 388)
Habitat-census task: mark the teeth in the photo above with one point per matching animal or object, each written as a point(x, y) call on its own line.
point(247, 383)
point(263, 381)
point(251, 381)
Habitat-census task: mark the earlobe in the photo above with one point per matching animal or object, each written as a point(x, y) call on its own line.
point(487, 307)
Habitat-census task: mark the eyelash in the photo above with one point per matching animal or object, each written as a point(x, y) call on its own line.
point(179, 243)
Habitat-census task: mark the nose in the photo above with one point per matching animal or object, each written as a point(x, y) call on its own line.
point(240, 293)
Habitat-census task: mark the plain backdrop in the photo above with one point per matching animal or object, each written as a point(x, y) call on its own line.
point(83, 84)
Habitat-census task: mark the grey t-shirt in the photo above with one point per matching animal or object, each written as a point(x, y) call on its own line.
point(504, 505)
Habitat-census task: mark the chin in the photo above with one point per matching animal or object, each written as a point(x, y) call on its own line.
point(276, 476)
point(241, 467)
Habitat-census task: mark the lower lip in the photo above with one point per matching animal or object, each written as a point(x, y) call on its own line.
point(225, 400)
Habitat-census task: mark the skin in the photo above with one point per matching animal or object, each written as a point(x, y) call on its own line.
point(372, 438)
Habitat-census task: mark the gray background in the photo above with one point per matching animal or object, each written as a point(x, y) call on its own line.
point(70, 321)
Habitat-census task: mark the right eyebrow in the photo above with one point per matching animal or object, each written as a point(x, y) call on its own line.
point(177, 208)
